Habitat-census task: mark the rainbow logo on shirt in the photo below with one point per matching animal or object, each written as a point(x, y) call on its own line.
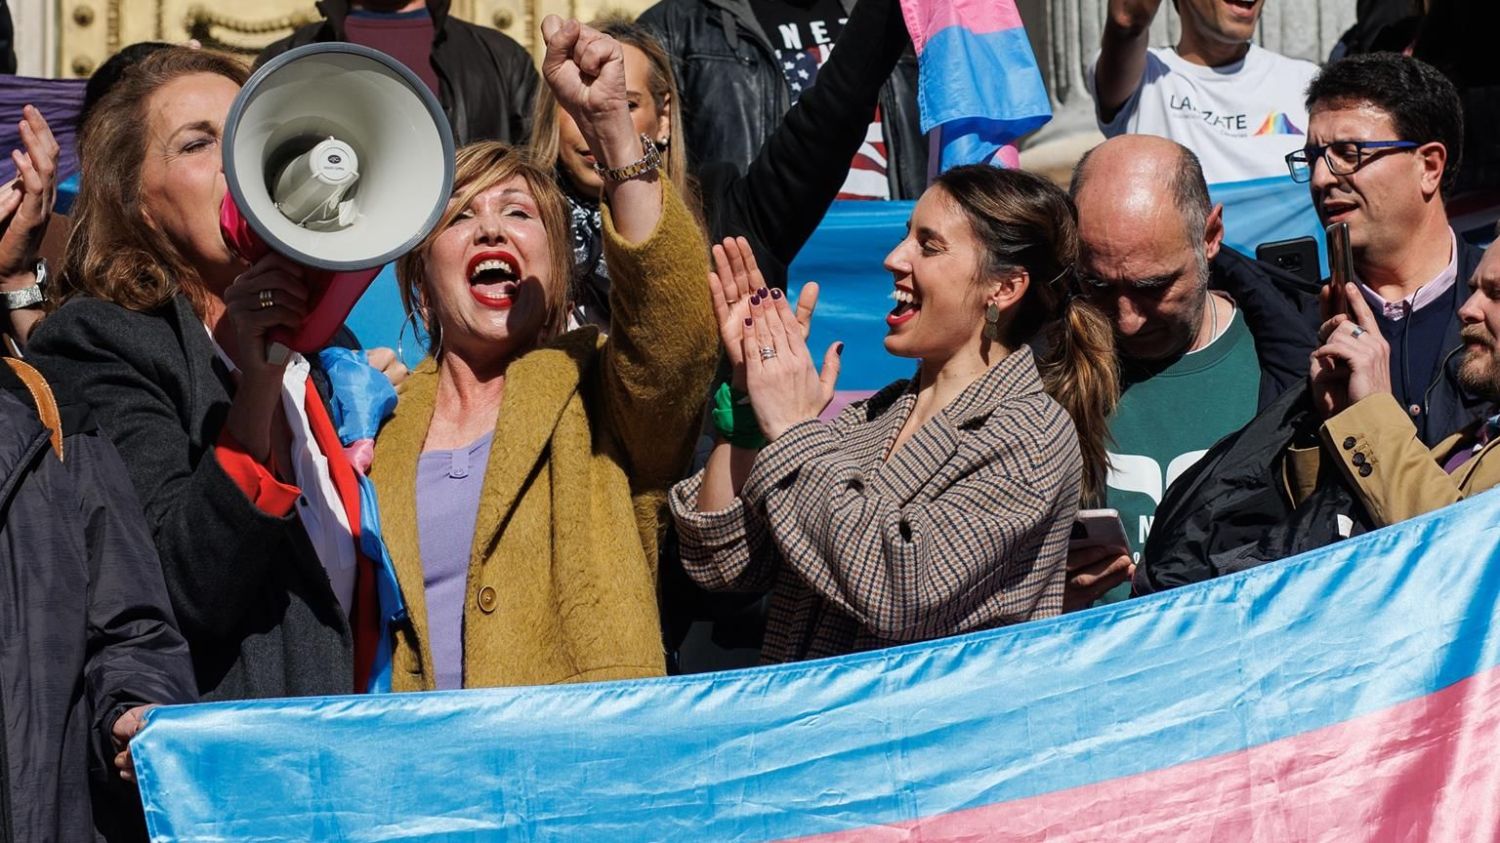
point(1276, 123)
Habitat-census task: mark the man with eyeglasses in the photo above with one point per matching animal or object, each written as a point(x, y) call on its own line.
point(1231, 102)
point(1384, 141)
point(1370, 438)
point(1206, 337)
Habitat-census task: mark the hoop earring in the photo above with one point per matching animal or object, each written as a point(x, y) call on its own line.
point(411, 319)
point(992, 322)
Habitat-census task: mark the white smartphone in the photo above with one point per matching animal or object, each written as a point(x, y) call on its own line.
point(1098, 528)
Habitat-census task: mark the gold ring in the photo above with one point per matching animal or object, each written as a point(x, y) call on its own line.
point(267, 299)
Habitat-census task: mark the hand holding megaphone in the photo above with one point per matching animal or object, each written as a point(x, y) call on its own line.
point(270, 298)
point(338, 158)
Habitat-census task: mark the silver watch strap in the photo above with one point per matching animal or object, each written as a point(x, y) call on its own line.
point(27, 296)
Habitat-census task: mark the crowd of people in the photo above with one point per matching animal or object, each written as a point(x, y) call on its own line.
point(608, 287)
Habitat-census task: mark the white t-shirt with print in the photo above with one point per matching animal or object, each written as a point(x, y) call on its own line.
point(1241, 119)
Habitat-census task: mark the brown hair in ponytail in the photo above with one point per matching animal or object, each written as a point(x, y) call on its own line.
point(1028, 224)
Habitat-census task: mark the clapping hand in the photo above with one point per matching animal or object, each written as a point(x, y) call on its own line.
point(1354, 361)
point(26, 203)
point(785, 387)
point(734, 282)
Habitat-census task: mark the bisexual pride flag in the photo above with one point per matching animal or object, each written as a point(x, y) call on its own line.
point(978, 86)
point(1347, 694)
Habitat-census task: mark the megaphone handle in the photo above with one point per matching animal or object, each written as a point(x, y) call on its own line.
point(277, 354)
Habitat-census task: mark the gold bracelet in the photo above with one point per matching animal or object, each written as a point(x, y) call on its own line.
point(648, 163)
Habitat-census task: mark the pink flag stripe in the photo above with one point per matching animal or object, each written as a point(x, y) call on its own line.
point(1424, 769)
point(926, 18)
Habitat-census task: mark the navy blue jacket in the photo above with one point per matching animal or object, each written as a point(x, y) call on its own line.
point(1447, 407)
point(86, 630)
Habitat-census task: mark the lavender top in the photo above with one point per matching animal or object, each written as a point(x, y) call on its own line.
point(448, 486)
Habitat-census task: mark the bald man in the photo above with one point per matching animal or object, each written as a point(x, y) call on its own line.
point(1206, 336)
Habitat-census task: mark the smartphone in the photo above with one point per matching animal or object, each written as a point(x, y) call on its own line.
point(1299, 256)
point(1340, 264)
point(1098, 528)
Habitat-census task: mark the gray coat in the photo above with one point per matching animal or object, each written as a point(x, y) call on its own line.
point(250, 594)
point(85, 628)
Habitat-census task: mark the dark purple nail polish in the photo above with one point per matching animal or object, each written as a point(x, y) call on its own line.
point(762, 292)
point(838, 349)
point(749, 321)
point(776, 294)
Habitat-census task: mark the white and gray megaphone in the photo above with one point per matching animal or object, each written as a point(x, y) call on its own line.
point(341, 159)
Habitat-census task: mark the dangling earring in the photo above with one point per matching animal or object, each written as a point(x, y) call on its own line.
point(662, 143)
point(992, 322)
point(417, 331)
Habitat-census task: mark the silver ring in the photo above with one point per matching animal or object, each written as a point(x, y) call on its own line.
point(767, 352)
point(1357, 332)
point(267, 299)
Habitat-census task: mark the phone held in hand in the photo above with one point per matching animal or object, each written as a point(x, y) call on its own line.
point(1340, 262)
point(1098, 528)
point(1298, 256)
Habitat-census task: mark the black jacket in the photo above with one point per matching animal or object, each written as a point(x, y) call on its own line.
point(249, 592)
point(1231, 511)
point(487, 80)
point(85, 627)
point(1275, 305)
point(779, 201)
point(734, 94)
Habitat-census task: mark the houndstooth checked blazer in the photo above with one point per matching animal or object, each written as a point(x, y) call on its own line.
point(964, 528)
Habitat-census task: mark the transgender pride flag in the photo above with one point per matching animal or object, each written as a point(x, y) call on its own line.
point(1348, 694)
point(979, 85)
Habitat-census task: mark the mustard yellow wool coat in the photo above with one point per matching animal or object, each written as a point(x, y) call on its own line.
point(590, 436)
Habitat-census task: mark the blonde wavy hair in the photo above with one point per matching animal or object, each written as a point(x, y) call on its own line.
point(477, 168)
point(662, 87)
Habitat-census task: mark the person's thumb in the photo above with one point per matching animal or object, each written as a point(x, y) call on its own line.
point(550, 25)
point(807, 302)
point(559, 36)
point(832, 360)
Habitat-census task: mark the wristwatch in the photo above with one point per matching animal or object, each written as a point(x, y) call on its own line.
point(648, 163)
point(30, 295)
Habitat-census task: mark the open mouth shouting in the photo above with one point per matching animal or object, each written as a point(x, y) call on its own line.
point(493, 279)
point(1242, 8)
point(908, 304)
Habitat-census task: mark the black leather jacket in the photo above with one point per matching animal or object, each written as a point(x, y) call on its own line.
point(487, 80)
point(734, 94)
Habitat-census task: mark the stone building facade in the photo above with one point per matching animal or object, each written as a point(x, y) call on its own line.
point(69, 38)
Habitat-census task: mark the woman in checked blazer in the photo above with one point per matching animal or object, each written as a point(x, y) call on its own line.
point(943, 503)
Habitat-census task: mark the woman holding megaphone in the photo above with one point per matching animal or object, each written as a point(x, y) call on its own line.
point(523, 475)
point(164, 331)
